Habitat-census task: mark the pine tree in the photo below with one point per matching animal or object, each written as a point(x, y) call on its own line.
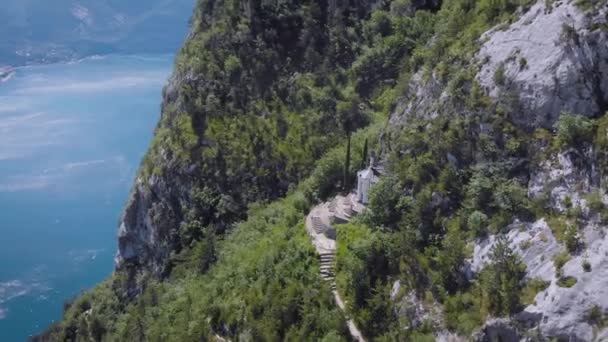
point(502, 281)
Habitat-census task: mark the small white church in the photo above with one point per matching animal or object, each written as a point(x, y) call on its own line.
point(365, 179)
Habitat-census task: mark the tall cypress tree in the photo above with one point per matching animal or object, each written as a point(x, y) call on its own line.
point(364, 157)
point(346, 165)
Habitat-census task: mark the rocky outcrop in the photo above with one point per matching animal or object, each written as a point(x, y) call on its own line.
point(150, 221)
point(570, 174)
point(498, 330)
point(415, 311)
point(564, 310)
point(533, 242)
point(424, 98)
point(554, 59)
point(147, 227)
point(561, 310)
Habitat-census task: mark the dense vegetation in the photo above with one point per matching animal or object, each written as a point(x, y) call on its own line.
point(266, 272)
point(270, 93)
point(261, 91)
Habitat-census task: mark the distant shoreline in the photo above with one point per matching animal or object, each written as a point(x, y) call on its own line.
point(8, 71)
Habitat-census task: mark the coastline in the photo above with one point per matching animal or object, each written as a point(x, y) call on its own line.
point(49, 178)
point(8, 71)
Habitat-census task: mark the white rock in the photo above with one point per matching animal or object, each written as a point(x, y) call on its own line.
point(563, 309)
point(559, 311)
point(395, 289)
point(564, 179)
point(550, 73)
point(533, 242)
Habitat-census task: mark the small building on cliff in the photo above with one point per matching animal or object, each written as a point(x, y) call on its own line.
point(365, 179)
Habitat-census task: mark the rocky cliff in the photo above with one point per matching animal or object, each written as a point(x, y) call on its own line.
point(489, 222)
point(216, 148)
point(551, 60)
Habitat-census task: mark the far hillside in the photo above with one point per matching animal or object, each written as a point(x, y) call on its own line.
point(35, 31)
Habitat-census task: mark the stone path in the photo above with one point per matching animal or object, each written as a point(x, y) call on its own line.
point(318, 222)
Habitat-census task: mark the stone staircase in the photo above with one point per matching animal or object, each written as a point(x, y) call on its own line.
point(332, 205)
point(323, 237)
point(347, 207)
point(318, 225)
point(327, 262)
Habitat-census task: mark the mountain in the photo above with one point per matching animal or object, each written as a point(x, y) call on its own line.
point(486, 119)
point(36, 31)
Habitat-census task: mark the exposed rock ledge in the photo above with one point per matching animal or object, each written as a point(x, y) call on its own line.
point(554, 59)
point(558, 311)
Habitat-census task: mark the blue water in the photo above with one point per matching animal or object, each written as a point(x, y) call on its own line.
point(71, 138)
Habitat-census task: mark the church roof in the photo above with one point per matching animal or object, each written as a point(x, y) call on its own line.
point(367, 173)
point(378, 170)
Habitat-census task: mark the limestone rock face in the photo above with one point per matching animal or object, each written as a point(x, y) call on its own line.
point(420, 99)
point(570, 174)
point(149, 224)
point(148, 229)
point(416, 310)
point(554, 59)
point(140, 239)
point(533, 242)
point(560, 311)
point(564, 309)
point(551, 60)
point(498, 330)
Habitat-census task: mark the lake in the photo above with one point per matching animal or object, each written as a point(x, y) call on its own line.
point(71, 138)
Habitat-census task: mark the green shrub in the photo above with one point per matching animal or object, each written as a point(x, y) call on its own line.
point(480, 191)
point(559, 260)
point(384, 202)
point(558, 225)
point(531, 289)
point(567, 201)
point(596, 204)
point(362, 268)
point(571, 238)
point(566, 281)
point(477, 223)
point(523, 63)
point(588, 4)
point(499, 75)
point(511, 196)
point(601, 134)
point(596, 316)
point(586, 265)
point(462, 312)
point(573, 130)
point(525, 244)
